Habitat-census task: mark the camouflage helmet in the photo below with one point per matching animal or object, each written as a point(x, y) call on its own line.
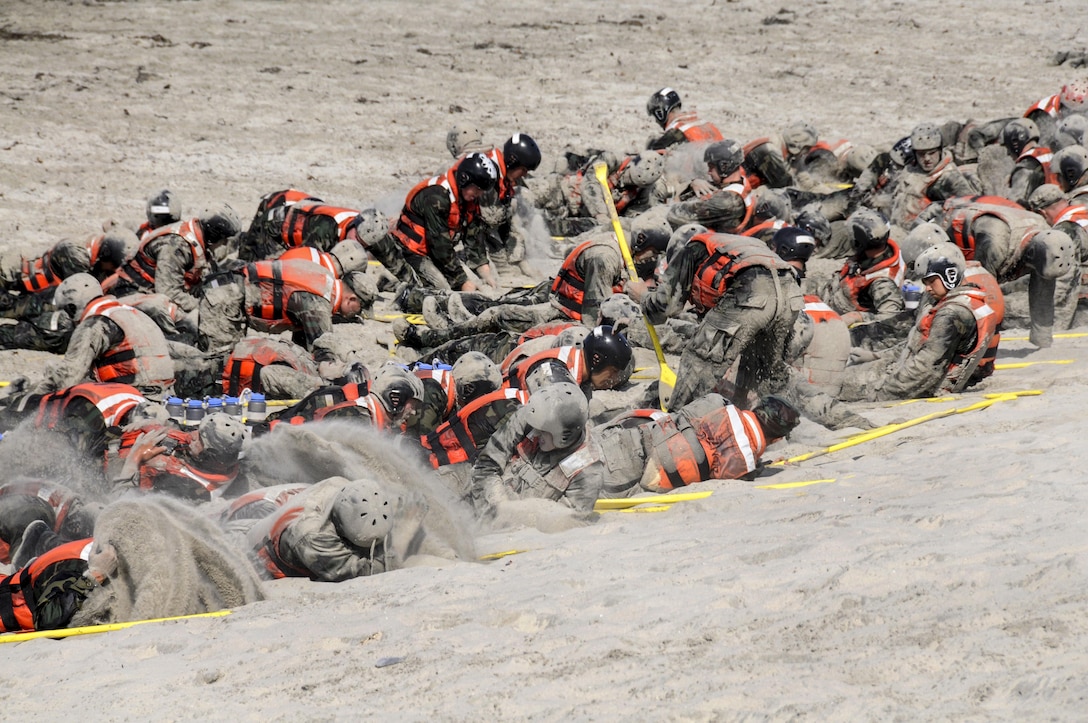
point(869, 229)
point(222, 437)
point(74, 293)
point(661, 104)
point(1044, 196)
point(362, 513)
point(777, 417)
point(364, 289)
point(475, 374)
point(926, 137)
point(724, 156)
point(371, 226)
point(463, 137)
point(645, 169)
point(163, 207)
point(945, 261)
point(1017, 133)
point(799, 137)
point(561, 410)
point(351, 255)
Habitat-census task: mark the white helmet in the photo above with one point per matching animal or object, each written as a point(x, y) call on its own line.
point(945, 261)
point(351, 255)
point(75, 292)
point(919, 239)
point(362, 513)
point(561, 410)
point(646, 168)
point(462, 138)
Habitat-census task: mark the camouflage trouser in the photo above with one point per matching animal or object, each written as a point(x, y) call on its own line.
point(505, 317)
point(388, 252)
point(1066, 297)
point(46, 332)
point(428, 273)
point(495, 346)
point(222, 321)
point(751, 326)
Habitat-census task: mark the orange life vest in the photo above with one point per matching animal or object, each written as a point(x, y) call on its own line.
point(569, 286)
point(839, 148)
point(1051, 105)
point(694, 130)
point(506, 188)
point(961, 213)
point(551, 328)
point(294, 220)
point(980, 277)
point(453, 441)
point(250, 355)
point(332, 402)
point(727, 255)
point(987, 337)
point(278, 280)
point(409, 229)
point(771, 224)
point(276, 497)
point(18, 591)
point(58, 498)
point(438, 384)
point(569, 356)
point(1042, 156)
point(855, 281)
point(314, 256)
point(38, 275)
point(141, 269)
point(725, 444)
point(203, 484)
point(269, 551)
point(114, 401)
point(738, 183)
point(126, 361)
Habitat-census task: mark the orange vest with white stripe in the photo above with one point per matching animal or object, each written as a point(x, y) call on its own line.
point(269, 552)
point(278, 280)
point(141, 269)
point(961, 214)
point(114, 401)
point(986, 342)
point(453, 441)
point(551, 328)
point(725, 444)
point(263, 498)
point(506, 189)
point(727, 255)
point(163, 472)
point(350, 400)
point(693, 129)
point(854, 281)
point(1043, 157)
point(975, 274)
point(1051, 105)
point(250, 355)
point(569, 287)
point(409, 229)
point(292, 233)
point(314, 256)
point(137, 358)
point(569, 356)
point(19, 593)
point(58, 498)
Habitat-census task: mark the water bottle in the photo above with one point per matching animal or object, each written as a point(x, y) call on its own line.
point(194, 412)
point(257, 409)
point(233, 407)
point(175, 408)
point(912, 294)
point(213, 405)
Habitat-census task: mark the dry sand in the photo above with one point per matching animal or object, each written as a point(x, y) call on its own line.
point(940, 576)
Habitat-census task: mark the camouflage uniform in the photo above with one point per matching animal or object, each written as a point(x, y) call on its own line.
point(441, 268)
point(173, 259)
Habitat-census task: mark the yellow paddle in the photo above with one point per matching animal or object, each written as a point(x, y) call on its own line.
point(667, 377)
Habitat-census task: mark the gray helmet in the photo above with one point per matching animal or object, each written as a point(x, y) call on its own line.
point(74, 293)
point(661, 104)
point(1050, 254)
point(1075, 126)
point(361, 285)
point(561, 410)
point(475, 374)
point(222, 437)
point(362, 513)
point(646, 168)
point(396, 387)
point(619, 306)
point(944, 260)
point(814, 221)
point(869, 229)
point(219, 224)
point(1017, 133)
point(1044, 196)
point(163, 208)
point(799, 137)
point(351, 255)
point(371, 226)
point(463, 137)
point(926, 137)
point(920, 238)
point(724, 156)
point(1070, 164)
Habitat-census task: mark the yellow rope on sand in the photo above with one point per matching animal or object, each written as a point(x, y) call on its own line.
point(93, 629)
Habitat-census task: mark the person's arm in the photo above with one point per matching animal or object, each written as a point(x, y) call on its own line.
point(475, 242)
point(668, 298)
point(600, 267)
point(325, 556)
point(89, 341)
point(668, 139)
point(173, 259)
point(310, 314)
point(433, 206)
point(487, 472)
point(724, 210)
point(887, 300)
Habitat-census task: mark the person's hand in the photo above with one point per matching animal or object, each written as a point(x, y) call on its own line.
point(468, 286)
point(852, 317)
point(702, 188)
point(147, 445)
point(635, 289)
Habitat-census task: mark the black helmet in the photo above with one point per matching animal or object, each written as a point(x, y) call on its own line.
point(109, 249)
point(724, 156)
point(777, 417)
point(793, 244)
point(478, 170)
point(163, 208)
point(661, 103)
point(1070, 164)
point(814, 221)
point(396, 387)
point(902, 152)
point(219, 224)
point(605, 348)
point(655, 237)
point(521, 151)
point(944, 261)
point(869, 228)
point(1018, 133)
